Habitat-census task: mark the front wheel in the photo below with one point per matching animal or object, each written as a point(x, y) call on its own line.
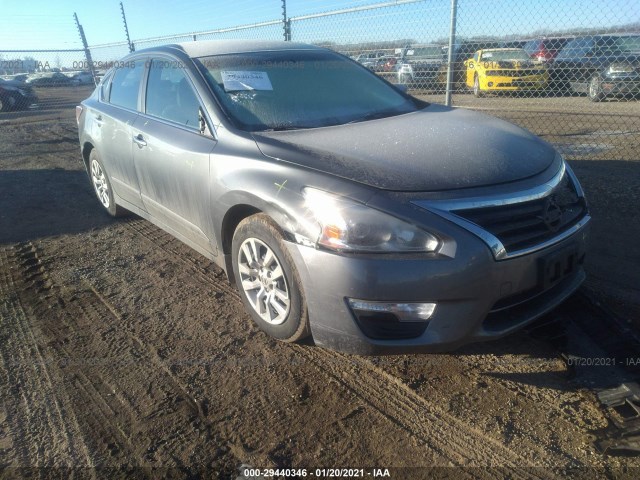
point(476, 87)
point(268, 280)
point(595, 89)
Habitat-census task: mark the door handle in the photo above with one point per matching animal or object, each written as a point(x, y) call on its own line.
point(99, 120)
point(139, 140)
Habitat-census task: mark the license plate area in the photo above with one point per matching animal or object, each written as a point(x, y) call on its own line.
point(558, 265)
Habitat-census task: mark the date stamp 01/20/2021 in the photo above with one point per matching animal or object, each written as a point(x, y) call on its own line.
point(576, 361)
point(251, 472)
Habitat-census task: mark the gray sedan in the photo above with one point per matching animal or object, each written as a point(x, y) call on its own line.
point(341, 207)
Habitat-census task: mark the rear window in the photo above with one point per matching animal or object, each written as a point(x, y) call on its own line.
point(126, 85)
point(576, 48)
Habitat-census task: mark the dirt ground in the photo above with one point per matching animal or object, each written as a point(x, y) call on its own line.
point(126, 354)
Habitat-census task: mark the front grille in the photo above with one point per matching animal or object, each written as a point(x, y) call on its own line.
point(514, 73)
point(523, 225)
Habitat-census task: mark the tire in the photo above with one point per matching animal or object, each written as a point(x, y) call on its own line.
point(102, 186)
point(595, 93)
point(271, 292)
point(476, 87)
point(7, 103)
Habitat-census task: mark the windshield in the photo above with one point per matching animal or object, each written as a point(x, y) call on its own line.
point(299, 89)
point(504, 55)
point(628, 44)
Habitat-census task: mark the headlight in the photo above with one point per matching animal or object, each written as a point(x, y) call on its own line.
point(620, 68)
point(346, 225)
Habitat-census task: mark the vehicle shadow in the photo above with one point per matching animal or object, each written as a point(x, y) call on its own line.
point(47, 202)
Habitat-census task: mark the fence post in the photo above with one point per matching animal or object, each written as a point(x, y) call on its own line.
point(286, 22)
point(450, 54)
point(126, 29)
point(87, 52)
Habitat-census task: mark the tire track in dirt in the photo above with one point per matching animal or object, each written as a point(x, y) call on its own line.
point(49, 435)
point(449, 436)
point(78, 324)
point(159, 238)
point(462, 444)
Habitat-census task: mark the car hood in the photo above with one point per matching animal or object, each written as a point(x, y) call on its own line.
point(436, 148)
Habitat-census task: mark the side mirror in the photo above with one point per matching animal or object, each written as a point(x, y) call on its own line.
point(204, 126)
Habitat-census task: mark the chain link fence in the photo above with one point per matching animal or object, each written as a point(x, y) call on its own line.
point(40, 82)
point(568, 71)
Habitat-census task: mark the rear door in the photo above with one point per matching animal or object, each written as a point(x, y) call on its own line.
point(118, 112)
point(171, 155)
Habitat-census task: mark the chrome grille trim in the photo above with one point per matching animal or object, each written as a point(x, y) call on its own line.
point(447, 208)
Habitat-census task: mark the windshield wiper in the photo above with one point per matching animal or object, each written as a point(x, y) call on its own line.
point(374, 116)
point(283, 128)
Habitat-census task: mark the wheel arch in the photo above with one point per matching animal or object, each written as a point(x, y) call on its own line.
point(230, 222)
point(87, 147)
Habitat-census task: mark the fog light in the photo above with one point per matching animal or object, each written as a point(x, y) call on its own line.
point(404, 312)
point(490, 84)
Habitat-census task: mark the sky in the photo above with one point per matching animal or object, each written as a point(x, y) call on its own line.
point(40, 24)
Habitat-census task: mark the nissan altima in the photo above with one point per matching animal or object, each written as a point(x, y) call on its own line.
point(341, 207)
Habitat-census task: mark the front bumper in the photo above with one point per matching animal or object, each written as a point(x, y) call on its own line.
point(618, 84)
point(503, 83)
point(478, 298)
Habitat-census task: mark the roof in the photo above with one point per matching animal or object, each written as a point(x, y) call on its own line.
point(203, 48)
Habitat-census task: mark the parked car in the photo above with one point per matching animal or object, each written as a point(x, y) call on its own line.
point(369, 59)
point(49, 79)
point(15, 94)
point(338, 205)
point(82, 78)
point(545, 49)
point(462, 52)
point(600, 66)
point(419, 65)
point(386, 64)
point(20, 77)
point(504, 70)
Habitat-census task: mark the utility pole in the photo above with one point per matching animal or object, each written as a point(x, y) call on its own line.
point(126, 29)
point(87, 52)
point(286, 22)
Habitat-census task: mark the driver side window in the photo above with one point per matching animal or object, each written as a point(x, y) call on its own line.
point(170, 95)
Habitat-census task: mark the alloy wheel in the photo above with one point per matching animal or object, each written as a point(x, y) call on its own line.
point(100, 183)
point(594, 87)
point(263, 281)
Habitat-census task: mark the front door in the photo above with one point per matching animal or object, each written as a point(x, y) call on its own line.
point(171, 156)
